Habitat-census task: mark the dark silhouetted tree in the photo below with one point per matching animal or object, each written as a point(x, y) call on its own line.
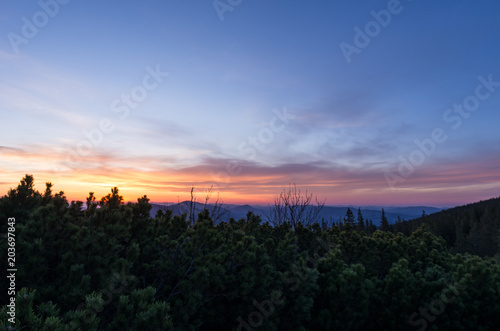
point(349, 217)
point(384, 224)
point(361, 221)
point(113, 200)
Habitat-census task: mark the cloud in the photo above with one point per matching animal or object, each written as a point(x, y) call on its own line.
point(10, 150)
point(162, 177)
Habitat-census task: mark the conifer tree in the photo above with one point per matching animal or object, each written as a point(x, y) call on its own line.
point(349, 217)
point(361, 221)
point(384, 224)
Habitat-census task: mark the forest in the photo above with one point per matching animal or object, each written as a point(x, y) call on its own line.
point(112, 266)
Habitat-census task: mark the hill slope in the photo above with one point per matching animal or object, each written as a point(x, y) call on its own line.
point(473, 228)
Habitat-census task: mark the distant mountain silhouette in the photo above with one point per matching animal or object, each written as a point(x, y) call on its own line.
point(329, 213)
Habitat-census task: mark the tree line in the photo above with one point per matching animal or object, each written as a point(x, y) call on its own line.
point(112, 266)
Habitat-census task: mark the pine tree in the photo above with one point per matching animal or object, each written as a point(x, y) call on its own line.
point(349, 217)
point(113, 200)
point(384, 224)
point(361, 221)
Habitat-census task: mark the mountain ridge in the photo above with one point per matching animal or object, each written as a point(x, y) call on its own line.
point(328, 213)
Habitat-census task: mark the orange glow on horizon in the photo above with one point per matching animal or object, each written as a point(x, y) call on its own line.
point(248, 190)
point(256, 184)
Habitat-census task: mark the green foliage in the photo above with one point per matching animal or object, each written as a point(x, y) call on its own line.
point(114, 267)
point(473, 228)
point(140, 309)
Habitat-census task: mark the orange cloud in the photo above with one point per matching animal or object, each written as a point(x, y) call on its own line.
point(156, 177)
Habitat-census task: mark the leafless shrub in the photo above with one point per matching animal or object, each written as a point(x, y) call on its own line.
point(293, 207)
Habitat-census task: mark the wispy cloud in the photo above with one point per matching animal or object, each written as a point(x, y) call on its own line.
point(159, 178)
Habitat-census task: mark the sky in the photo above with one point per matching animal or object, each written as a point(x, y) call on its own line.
point(358, 102)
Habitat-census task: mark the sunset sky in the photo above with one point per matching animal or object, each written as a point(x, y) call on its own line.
point(359, 102)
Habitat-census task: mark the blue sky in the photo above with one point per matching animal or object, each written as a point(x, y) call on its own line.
point(353, 122)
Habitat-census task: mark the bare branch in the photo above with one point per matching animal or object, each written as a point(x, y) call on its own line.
point(293, 207)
